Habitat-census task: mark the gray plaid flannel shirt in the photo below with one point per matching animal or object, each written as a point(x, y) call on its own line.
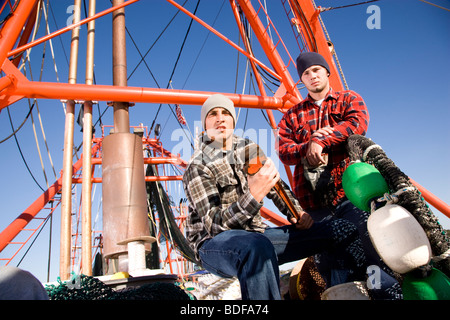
point(219, 197)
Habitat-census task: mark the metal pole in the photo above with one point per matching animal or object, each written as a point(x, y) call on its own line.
point(66, 194)
point(86, 240)
point(121, 116)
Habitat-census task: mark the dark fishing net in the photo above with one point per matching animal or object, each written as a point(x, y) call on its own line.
point(309, 285)
point(364, 149)
point(90, 288)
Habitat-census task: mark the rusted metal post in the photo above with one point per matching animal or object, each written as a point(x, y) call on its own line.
point(66, 193)
point(121, 116)
point(86, 222)
point(126, 230)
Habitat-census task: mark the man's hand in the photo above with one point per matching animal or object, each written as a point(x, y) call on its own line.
point(264, 180)
point(305, 221)
point(325, 131)
point(314, 152)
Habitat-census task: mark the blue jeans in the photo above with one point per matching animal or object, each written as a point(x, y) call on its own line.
point(254, 257)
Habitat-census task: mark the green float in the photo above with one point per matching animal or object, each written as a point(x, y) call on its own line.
point(435, 286)
point(362, 183)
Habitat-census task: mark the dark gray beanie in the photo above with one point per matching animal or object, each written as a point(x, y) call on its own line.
point(308, 59)
point(215, 101)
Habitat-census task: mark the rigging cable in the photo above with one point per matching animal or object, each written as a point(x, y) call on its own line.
point(21, 125)
point(148, 68)
point(20, 151)
point(435, 5)
point(341, 72)
point(347, 6)
point(153, 44)
point(173, 71)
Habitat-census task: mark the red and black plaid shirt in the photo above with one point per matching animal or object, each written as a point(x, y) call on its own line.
point(346, 113)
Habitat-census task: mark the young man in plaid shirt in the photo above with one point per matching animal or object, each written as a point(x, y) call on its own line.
point(224, 226)
point(312, 136)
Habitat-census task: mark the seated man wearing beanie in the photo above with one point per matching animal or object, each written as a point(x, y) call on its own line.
point(224, 225)
point(312, 136)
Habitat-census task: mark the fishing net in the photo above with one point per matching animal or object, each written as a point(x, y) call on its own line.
point(361, 148)
point(90, 288)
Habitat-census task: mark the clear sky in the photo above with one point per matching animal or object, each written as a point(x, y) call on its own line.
point(400, 68)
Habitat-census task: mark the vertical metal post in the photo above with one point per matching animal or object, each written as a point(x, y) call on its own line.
point(125, 222)
point(86, 190)
point(66, 195)
point(121, 116)
point(86, 240)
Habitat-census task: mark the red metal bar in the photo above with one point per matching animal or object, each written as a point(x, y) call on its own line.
point(26, 33)
point(273, 217)
point(12, 230)
point(273, 123)
point(432, 199)
point(231, 43)
point(153, 160)
point(64, 91)
point(6, 81)
point(68, 28)
point(318, 42)
point(13, 26)
point(147, 179)
point(269, 48)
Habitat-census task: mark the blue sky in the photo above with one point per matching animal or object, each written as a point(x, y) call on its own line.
point(401, 70)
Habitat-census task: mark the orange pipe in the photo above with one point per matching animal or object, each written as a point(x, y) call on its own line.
point(273, 217)
point(154, 160)
point(5, 82)
point(147, 179)
point(268, 47)
point(231, 43)
point(13, 229)
point(13, 26)
point(273, 123)
point(432, 199)
point(320, 41)
point(26, 33)
point(68, 28)
point(65, 91)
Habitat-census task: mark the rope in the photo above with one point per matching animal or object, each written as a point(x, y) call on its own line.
point(441, 257)
point(410, 198)
point(389, 198)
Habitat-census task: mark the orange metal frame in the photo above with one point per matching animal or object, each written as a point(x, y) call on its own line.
point(15, 86)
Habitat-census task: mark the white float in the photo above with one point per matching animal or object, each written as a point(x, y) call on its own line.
point(398, 238)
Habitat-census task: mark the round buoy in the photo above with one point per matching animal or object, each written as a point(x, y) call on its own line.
point(362, 182)
point(398, 238)
point(435, 286)
point(355, 290)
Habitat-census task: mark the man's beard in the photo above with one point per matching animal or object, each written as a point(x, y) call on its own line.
point(318, 89)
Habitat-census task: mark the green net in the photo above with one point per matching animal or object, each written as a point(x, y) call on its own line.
point(90, 288)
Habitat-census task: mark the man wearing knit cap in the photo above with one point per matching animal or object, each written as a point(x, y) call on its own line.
point(312, 137)
point(224, 226)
